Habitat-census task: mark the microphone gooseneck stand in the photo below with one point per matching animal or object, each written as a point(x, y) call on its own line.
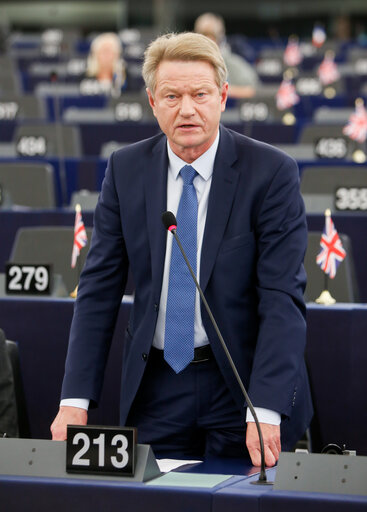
point(169, 221)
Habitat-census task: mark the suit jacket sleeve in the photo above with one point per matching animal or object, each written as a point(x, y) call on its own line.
point(100, 292)
point(281, 233)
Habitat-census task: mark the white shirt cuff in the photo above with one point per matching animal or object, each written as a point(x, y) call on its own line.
point(82, 403)
point(264, 416)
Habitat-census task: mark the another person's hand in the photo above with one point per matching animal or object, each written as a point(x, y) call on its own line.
point(271, 437)
point(67, 416)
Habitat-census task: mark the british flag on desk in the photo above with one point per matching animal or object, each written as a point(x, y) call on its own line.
point(332, 251)
point(80, 236)
point(356, 128)
point(318, 36)
point(292, 53)
point(328, 70)
point(286, 96)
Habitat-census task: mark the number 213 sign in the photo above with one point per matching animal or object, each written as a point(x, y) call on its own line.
point(100, 449)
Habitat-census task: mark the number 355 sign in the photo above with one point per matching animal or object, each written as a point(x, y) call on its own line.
point(101, 450)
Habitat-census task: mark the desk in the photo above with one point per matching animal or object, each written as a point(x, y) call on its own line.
point(80, 173)
point(11, 221)
point(281, 501)
point(41, 328)
point(186, 490)
point(46, 494)
point(238, 495)
point(234, 495)
point(336, 355)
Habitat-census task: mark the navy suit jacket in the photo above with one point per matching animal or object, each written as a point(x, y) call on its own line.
point(251, 273)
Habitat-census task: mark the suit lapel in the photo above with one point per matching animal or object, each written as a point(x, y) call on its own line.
point(156, 204)
point(222, 192)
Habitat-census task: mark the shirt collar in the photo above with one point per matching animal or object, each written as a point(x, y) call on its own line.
point(203, 165)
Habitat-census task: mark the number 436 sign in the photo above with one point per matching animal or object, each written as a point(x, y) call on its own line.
point(101, 450)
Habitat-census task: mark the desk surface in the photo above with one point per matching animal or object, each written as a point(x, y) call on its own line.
point(233, 495)
point(59, 492)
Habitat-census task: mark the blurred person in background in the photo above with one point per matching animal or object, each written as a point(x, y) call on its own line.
point(242, 78)
point(105, 62)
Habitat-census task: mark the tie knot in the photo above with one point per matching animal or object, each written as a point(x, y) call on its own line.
point(188, 174)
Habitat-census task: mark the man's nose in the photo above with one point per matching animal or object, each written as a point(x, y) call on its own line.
point(187, 106)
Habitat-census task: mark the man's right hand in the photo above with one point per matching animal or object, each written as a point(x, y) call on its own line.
point(67, 416)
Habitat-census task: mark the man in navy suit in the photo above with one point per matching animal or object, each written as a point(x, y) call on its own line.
point(251, 240)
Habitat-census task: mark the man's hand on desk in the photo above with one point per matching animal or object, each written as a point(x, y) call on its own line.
point(67, 416)
point(271, 437)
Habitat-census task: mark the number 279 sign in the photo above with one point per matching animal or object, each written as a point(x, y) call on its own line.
point(27, 279)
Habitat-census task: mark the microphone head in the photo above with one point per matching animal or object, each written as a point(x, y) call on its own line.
point(169, 221)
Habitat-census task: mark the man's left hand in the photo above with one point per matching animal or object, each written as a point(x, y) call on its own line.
point(271, 437)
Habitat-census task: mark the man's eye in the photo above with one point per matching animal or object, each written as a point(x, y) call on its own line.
point(171, 96)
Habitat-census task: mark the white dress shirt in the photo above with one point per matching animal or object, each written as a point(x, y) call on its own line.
point(204, 166)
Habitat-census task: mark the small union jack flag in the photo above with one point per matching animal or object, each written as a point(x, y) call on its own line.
point(292, 53)
point(356, 128)
point(286, 96)
point(80, 236)
point(328, 70)
point(318, 36)
point(332, 251)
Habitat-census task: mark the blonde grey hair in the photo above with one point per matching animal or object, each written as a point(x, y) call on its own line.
point(186, 46)
point(110, 37)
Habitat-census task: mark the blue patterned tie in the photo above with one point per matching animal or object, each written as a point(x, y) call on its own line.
point(180, 314)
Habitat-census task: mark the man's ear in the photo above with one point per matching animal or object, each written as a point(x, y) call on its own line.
point(224, 96)
point(151, 100)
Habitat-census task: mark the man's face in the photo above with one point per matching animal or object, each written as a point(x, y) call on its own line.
point(187, 104)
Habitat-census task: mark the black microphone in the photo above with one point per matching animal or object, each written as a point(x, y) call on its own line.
point(170, 223)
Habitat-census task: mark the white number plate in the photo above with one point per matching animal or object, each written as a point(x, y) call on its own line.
point(27, 279)
point(351, 198)
point(331, 147)
point(102, 450)
point(32, 145)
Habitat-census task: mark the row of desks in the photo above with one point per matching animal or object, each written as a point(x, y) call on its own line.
point(235, 495)
point(352, 224)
